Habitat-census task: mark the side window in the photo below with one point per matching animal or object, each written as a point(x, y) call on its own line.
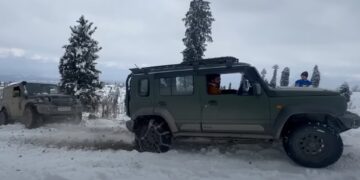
point(1, 93)
point(16, 92)
point(231, 83)
point(183, 85)
point(177, 86)
point(144, 87)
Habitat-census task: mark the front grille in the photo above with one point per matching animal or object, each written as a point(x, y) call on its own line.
point(62, 101)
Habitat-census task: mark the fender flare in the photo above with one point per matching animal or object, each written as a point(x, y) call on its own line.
point(161, 112)
point(286, 113)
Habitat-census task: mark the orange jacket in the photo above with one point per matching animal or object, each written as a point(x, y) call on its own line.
point(213, 89)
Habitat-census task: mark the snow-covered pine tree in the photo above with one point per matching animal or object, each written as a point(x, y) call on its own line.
point(263, 74)
point(274, 78)
point(344, 90)
point(315, 78)
point(198, 23)
point(79, 75)
point(285, 75)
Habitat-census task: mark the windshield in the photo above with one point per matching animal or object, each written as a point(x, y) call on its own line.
point(39, 89)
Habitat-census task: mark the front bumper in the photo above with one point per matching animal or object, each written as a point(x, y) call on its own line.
point(350, 120)
point(47, 109)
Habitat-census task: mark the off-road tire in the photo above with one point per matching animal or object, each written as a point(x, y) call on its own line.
point(3, 118)
point(31, 118)
point(154, 136)
point(313, 145)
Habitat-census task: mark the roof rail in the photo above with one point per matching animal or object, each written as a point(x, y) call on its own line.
point(227, 61)
point(213, 61)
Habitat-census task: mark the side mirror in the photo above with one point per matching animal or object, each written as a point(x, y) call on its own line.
point(257, 89)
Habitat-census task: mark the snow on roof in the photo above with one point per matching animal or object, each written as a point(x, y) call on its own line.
point(19, 82)
point(14, 83)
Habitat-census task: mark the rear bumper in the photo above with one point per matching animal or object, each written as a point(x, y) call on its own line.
point(350, 120)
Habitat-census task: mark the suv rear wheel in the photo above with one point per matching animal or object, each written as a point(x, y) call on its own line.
point(314, 145)
point(3, 117)
point(154, 136)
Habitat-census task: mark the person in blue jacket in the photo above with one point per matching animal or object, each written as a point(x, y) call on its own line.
point(303, 82)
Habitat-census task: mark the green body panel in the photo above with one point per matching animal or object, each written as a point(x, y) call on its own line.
point(301, 92)
point(142, 104)
point(263, 114)
point(234, 113)
point(283, 107)
point(185, 109)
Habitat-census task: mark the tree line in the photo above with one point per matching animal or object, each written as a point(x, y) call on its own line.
point(285, 77)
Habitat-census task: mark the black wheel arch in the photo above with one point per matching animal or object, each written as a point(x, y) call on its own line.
point(141, 115)
point(297, 119)
point(30, 105)
point(144, 120)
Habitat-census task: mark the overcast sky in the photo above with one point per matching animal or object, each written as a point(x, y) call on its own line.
point(297, 34)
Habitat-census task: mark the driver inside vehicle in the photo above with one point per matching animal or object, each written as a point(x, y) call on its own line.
point(213, 84)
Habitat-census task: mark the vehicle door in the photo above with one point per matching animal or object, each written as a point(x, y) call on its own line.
point(14, 102)
point(236, 108)
point(177, 96)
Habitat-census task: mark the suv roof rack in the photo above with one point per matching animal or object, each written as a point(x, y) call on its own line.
point(211, 62)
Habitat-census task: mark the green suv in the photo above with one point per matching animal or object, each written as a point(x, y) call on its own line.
point(223, 98)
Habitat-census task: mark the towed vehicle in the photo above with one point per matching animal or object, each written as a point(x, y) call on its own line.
point(36, 103)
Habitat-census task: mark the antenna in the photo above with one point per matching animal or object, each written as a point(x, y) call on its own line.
point(136, 66)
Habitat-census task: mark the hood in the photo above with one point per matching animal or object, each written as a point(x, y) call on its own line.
point(301, 91)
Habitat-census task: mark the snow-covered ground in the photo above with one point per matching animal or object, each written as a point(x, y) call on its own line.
point(102, 150)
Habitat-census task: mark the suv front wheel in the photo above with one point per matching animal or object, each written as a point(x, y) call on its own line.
point(154, 136)
point(31, 118)
point(314, 145)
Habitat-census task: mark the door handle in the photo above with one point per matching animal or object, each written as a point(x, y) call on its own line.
point(213, 103)
point(162, 103)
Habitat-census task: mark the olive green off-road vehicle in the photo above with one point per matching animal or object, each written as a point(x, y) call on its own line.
point(174, 100)
point(36, 103)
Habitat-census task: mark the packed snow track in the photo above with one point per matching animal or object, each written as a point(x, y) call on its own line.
point(102, 150)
